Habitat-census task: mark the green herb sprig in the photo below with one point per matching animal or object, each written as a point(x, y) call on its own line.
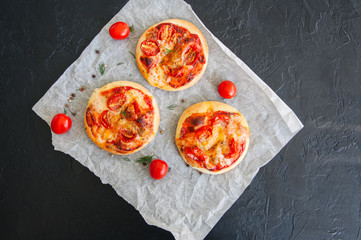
point(146, 159)
point(131, 28)
point(132, 54)
point(102, 68)
point(167, 50)
point(172, 107)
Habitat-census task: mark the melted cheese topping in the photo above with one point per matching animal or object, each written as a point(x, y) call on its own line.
point(124, 129)
point(222, 145)
point(172, 56)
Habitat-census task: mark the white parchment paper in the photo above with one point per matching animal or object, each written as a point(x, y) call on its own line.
point(184, 202)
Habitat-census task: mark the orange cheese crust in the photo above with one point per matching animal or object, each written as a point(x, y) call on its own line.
point(212, 137)
point(121, 117)
point(172, 55)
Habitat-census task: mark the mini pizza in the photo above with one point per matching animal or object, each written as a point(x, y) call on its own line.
point(212, 137)
point(172, 55)
point(121, 117)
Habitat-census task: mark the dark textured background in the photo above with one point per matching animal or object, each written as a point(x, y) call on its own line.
point(307, 51)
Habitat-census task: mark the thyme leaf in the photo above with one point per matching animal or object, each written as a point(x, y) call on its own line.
point(146, 159)
point(102, 68)
point(171, 107)
point(120, 63)
point(126, 159)
point(167, 50)
point(132, 54)
point(124, 113)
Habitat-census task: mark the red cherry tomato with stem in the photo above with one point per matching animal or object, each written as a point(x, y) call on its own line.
point(119, 30)
point(227, 89)
point(61, 123)
point(158, 169)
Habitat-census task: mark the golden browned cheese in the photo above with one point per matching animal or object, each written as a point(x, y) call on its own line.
point(172, 55)
point(121, 117)
point(212, 137)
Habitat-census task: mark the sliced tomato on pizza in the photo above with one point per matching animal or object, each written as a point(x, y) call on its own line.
point(121, 117)
point(212, 137)
point(172, 55)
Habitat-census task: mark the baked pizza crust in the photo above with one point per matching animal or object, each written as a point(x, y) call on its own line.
point(215, 106)
point(95, 100)
point(192, 29)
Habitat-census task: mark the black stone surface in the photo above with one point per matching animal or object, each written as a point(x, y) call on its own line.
point(307, 51)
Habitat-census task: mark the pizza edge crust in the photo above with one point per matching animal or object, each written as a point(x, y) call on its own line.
point(108, 86)
point(191, 28)
point(216, 106)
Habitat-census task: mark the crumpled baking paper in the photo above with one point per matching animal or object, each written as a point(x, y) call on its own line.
point(184, 202)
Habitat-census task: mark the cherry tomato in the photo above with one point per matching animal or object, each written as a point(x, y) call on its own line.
point(197, 43)
point(235, 149)
point(220, 118)
point(174, 72)
point(191, 56)
point(91, 118)
point(119, 30)
point(195, 154)
point(127, 136)
point(148, 101)
point(136, 109)
point(132, 111)
point(165, 32)
point(104, 119)
point(116, 101)
point(203, 132)
point(158, 169)
point(150, 47)
point(61, 123)
point(227, 89)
